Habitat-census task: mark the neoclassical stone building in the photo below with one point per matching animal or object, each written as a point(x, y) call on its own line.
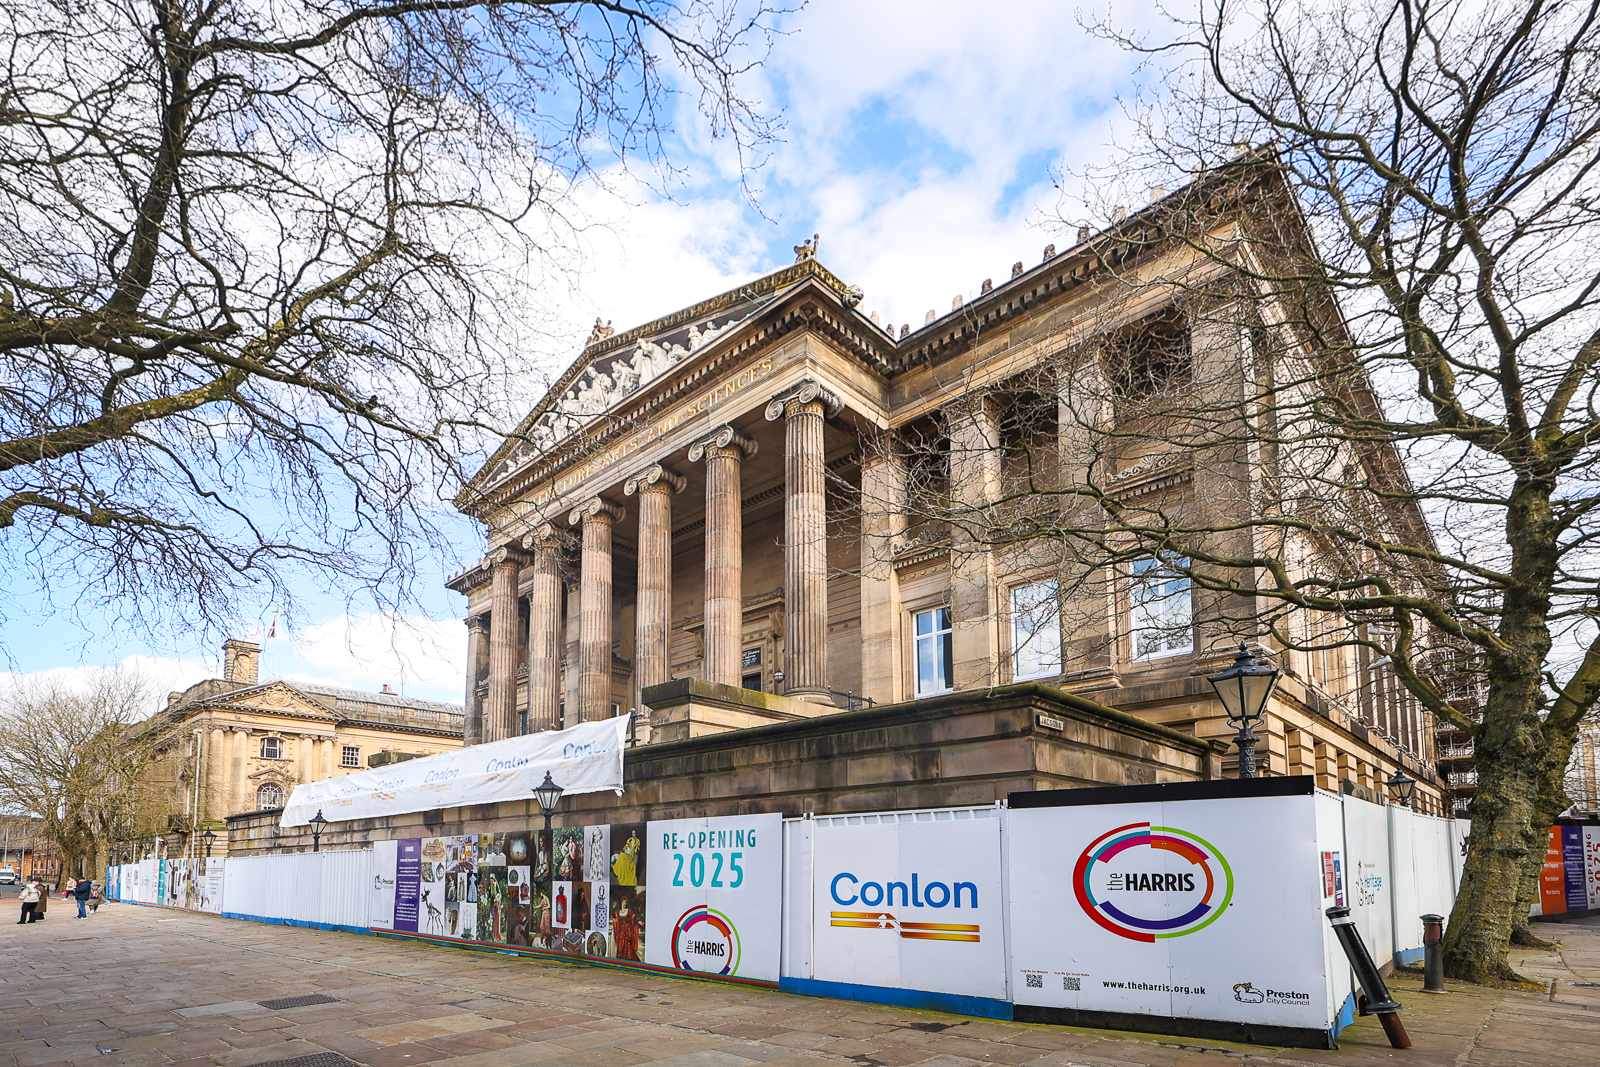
point(709, 520)
point(237, 744)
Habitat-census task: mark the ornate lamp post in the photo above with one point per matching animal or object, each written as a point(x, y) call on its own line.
point(209, 838)
point(318, 824)
point(1244, 689)
point(548, 794)
point(1403, 787)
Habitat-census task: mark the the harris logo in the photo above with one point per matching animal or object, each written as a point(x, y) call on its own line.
point(1143, 882)
point(705, 941)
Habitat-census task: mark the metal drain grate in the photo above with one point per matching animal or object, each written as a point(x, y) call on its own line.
point(299, 1002)
point(321, 1059)
point(64, 940)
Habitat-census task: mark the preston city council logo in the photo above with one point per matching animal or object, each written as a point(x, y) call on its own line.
point(1143, 882)
point(705, 940)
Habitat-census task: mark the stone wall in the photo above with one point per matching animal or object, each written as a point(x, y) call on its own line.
point(957, 750)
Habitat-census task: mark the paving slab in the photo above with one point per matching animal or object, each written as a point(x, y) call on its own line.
point(177, 990)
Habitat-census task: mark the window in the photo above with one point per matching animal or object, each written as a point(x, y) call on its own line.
point(751, 682)
point(1035, 631)
point(272, 748)
point(269, 795)
point(1162, 616)
point(351, 757)
point(934, 664)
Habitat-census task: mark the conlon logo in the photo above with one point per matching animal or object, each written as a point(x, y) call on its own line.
point(1144, 882)
point(847, 889)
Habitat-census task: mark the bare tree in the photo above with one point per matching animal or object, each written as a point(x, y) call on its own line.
point(1342, 388)
point(69, 759)
point(270, 280)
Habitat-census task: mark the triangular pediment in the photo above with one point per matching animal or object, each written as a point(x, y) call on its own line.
point(277, 698)
point(615, 367)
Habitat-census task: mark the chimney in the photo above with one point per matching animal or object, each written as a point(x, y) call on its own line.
point(241, 661)
point(387, 690)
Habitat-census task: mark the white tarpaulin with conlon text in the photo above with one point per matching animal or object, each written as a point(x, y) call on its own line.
point(586, 758)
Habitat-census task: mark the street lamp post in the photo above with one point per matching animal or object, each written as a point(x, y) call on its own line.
point(548, 794)
point(318, 824)
point(208, 837)
point(1244, 689)
point(1403, 787)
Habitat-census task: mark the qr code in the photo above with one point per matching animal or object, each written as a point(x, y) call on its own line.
point(1070, 984)
point(1035, 981)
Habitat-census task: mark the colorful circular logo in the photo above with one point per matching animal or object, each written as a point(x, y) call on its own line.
point(706, 941)
point(1143, 882)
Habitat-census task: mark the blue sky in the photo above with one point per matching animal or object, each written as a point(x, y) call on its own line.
point(919, 142)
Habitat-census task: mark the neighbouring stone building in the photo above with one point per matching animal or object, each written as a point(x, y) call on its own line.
point(707, 521)
point(238, 744)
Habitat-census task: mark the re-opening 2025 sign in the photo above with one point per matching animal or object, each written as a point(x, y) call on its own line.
point(715, 905)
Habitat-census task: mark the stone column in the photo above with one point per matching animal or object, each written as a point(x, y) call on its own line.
point(595, 608)
point(724, 449)
point(653, 604)
point(544, 629)
point(214, 799)
point(803, 407)
point(974, 485)
point(883, 528)
point(239, 781)
point(477, 671)
point(500, 706)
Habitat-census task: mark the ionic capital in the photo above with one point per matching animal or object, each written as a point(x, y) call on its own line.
point(722, 437)
point(653, 475)
point(544, 537)
point(509, 553)
point(603, 510)
point(805, 391)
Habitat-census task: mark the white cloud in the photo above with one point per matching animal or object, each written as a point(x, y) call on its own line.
point(411, 654)
point(161, 675)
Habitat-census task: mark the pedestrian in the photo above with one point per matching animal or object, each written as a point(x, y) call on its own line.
point(44, 903)
point(30, 901)
point(81, 892)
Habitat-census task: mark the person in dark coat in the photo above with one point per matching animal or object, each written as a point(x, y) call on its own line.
point(81, 892)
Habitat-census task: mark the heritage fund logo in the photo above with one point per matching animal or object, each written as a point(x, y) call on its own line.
point(1146, 882)
point(706, 941)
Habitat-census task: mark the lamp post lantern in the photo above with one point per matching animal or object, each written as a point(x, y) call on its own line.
point(1403, 787)
point(1244, 689)
point(318, 824)
point(548, 794)
point(209, 838)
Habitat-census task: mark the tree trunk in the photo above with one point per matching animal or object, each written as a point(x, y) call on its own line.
point(1553, 800)
point(1509, 748)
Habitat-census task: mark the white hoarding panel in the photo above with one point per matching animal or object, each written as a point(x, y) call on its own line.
point(1196, 901)
point(385, 862)
point(586, 758)
point(716, 896)
point(1370, 896)
point(909, 906)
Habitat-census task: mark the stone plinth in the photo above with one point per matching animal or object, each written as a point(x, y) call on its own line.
point(689, 707)
point(949, 751)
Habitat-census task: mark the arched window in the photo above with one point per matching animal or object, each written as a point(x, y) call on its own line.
point(270, 795)
point(272, 748)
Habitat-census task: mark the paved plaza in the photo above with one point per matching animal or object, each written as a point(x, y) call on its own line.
point(136, 985)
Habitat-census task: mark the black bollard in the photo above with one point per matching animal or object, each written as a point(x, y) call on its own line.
point(1379, 1002)
point(1433, 954)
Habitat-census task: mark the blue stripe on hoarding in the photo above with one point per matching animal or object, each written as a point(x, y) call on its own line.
point(1346, 1016)
point(1407, 956)
point(292, 922)
point(954, 1003)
